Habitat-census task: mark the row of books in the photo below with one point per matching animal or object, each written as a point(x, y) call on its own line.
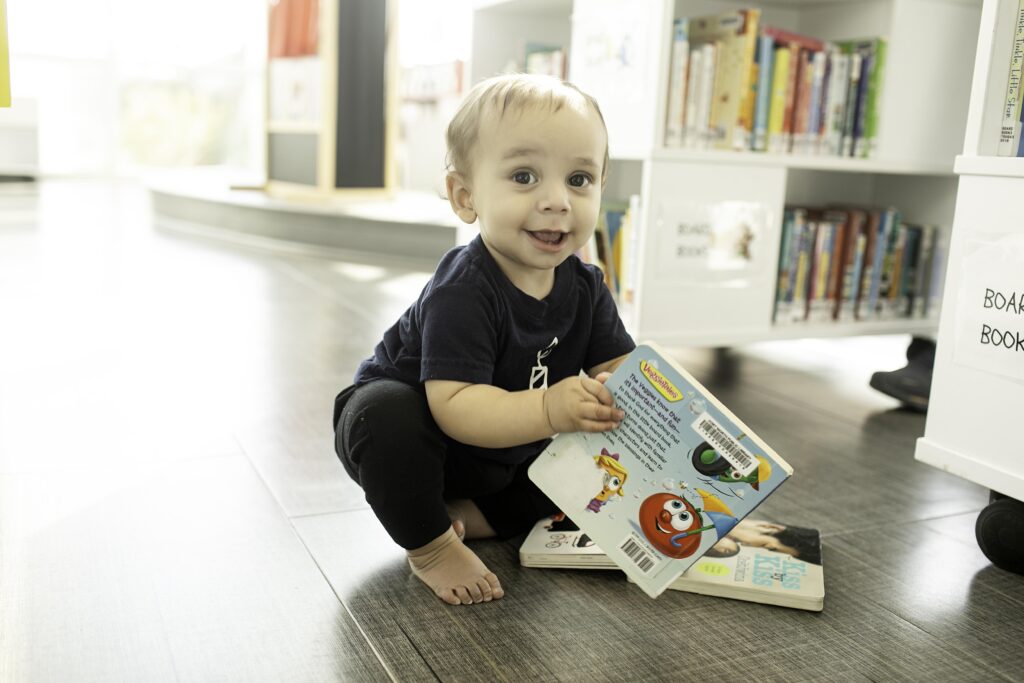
point(1010, 143)
point(855, 264)
point(736, 85)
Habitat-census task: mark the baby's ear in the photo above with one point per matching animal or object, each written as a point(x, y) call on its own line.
point(460, 197)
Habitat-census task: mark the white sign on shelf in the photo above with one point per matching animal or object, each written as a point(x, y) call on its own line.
point(989, 319)
point(713, 242)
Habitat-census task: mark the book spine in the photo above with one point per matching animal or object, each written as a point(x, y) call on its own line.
point(807, 231)
point(788, 117)
point(874, 98)
point(694, 87)
point(850, 115)
point(835, 106)
point(895, 273)
point(744, 124)
point(820, 270)
point(874, 224)
point(853, 258)
point(766, 67)
point(802, 103)
point(780, 79)
point(866, 67)
point(676, 116)
point(1009, 132)
point(889, 220)
point(813, 141)
point(707, 88)
point(908, 279)
point(923, 271)
point(840, 249)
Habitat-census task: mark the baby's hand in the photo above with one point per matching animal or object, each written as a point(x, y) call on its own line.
point(581, 404)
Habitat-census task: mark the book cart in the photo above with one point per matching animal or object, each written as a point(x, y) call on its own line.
point(620, 51)
point(978, 383)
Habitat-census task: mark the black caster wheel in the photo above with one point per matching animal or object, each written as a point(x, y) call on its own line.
point(1000, 533)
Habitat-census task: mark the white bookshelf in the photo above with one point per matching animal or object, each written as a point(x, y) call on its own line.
point(977, 388)
point(619, 51)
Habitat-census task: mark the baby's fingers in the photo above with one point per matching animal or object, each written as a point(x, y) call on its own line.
point(599, 413)
point(598, 390)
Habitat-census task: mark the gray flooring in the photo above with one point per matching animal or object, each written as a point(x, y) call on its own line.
point(171, 509)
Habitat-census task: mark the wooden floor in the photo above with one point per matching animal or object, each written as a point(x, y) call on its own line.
point(171, 507)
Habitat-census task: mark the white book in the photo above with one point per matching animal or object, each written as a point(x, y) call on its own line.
point(693, 90)
point(706, 95)
point(676, 109)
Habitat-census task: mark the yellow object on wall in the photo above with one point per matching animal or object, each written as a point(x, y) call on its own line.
point(5, 63)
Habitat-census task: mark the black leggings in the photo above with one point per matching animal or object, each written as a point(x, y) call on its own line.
point(390, 445)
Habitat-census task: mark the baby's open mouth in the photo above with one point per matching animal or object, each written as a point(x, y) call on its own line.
point(553, 237)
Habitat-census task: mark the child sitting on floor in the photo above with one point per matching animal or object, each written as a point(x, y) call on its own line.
point(464, 391)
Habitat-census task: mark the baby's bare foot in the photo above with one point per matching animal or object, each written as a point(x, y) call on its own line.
point(454, 572)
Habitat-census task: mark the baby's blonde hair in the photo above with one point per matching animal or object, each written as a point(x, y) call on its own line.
point(515, 93)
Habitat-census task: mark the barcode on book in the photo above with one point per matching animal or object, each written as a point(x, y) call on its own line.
point(726, 446)
point(635, 551)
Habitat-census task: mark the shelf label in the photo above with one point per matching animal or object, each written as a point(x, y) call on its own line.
point(989, 318)
point(711, 241)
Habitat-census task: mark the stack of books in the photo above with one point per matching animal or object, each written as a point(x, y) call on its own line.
point(757, 561)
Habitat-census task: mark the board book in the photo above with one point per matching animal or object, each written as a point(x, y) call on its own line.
point(676, 475)
point(757, 561)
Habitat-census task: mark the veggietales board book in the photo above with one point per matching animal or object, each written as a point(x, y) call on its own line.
point(757, 561)
point(676, 476)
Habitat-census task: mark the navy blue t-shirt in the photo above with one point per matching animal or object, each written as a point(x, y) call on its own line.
point(471, 324)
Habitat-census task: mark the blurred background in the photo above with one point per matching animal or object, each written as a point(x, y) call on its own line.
point(114, 88)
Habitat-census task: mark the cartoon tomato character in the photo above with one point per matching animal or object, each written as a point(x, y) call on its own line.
point(671, 524)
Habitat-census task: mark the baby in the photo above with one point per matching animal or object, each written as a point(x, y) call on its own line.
point(465, 390)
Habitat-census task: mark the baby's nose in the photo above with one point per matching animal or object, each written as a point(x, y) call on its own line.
point(555, 199)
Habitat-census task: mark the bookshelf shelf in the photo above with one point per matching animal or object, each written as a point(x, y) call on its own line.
point(1010, 167)
point(796, 161)
point(620, 51)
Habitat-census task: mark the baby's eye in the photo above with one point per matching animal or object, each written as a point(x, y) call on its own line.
point(579, 180)
point(523, 177)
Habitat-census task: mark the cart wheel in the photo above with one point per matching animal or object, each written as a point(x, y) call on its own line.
point(1000, 533)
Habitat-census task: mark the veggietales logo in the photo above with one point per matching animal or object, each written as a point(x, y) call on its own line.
point(660, 382)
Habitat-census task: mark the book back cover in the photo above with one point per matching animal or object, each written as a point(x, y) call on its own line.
point(679, 472)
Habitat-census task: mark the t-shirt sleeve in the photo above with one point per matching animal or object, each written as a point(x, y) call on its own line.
point(459, 329)
point(608, 337)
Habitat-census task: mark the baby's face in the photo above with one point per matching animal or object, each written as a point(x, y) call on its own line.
point(536, 186)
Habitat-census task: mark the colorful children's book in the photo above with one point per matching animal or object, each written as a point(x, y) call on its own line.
point(757, 561)
point(675, 477)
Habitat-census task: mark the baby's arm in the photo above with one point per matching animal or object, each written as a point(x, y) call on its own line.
point(606, 368)
point(489, 417)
